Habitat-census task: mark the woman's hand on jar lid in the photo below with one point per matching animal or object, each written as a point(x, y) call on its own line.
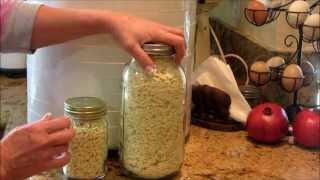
point(131, 33)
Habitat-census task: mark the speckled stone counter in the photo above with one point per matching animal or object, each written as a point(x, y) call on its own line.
point(209, 154)
point(13, 98)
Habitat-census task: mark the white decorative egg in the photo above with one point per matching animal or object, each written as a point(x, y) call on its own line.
point(297, 13)
point(272, 3)
point(275, 61)
point(259, 73)
point(292, 78)
point(266, 3)
point(276, 66)
point(308, 72)
point(311, 28)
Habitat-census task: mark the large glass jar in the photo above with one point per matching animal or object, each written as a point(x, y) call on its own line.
point(89, 146)
point(152, 142)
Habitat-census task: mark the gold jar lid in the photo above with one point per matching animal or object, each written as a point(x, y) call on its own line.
point(85, 107)
point(158, 49)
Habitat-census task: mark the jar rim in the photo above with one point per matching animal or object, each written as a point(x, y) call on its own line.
point(84, 106)
point(158, 49)
point(79, 116)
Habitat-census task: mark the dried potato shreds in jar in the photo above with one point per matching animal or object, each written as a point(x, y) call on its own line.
point(152, 142)
point(89, 146)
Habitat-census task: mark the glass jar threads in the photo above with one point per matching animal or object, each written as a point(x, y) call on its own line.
point(153, 110)
point(252, 94)
point(89, 147)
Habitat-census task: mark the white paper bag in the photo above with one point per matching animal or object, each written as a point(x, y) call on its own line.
point(216, 73)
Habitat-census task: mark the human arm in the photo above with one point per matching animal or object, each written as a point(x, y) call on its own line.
point(30, 26)
point(16, 25)
point(62, 24)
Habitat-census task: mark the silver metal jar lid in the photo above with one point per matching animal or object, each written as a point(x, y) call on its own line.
point(158, 49)
point(85, 107)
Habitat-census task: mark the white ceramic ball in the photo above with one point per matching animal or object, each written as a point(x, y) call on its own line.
point(275, 64)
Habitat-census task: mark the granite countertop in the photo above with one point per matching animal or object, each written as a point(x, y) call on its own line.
point(209, 154)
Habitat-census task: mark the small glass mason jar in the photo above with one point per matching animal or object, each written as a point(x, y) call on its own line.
point(153, 110)
point(89, 146)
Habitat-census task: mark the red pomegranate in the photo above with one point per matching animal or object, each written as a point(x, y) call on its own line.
point(267, 123)
point(306, 128)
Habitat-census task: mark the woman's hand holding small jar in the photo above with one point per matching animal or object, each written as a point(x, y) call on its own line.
point(36, 147)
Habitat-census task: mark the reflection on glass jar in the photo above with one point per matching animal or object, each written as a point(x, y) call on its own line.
point(89, 146)
point(153, 116)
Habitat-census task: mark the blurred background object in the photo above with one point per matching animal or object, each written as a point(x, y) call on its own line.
point(13, 64)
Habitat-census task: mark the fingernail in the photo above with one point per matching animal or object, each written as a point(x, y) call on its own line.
point(149, 69)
